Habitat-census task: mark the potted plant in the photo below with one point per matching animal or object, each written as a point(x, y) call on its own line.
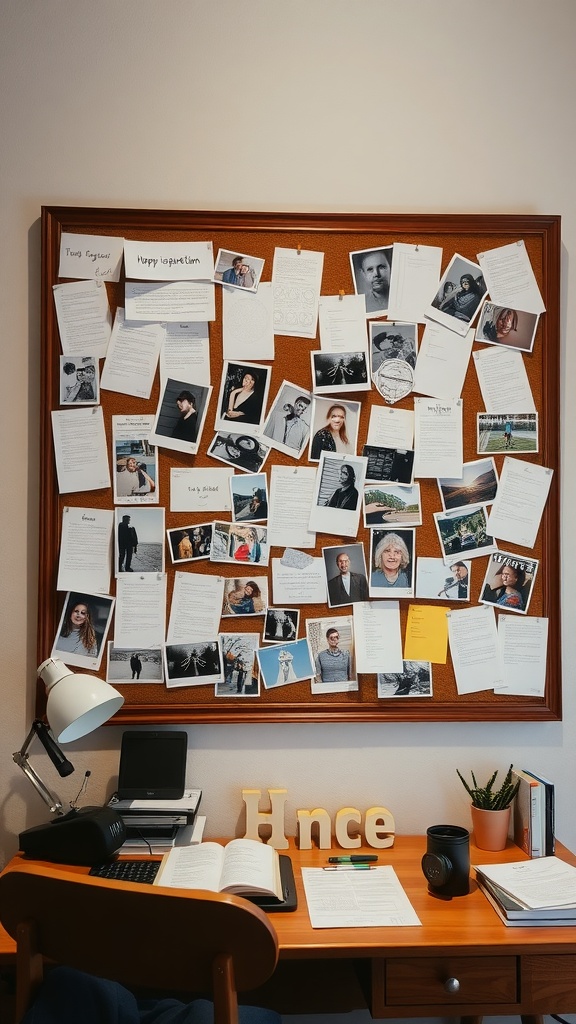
point(491, 809)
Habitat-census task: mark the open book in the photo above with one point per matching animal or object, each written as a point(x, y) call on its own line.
point(245, 867)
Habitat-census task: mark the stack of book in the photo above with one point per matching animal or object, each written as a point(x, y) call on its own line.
point(534, 814)
point(532, 892)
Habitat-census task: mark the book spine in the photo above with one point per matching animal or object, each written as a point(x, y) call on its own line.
point(536, 832)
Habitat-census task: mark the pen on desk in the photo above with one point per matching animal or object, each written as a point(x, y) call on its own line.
point(349, 867)
point(359, 858)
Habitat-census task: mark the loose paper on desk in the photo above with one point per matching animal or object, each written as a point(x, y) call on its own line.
point(291, 492)
point(413, 279)
point(523, 646)
point(171, 302)
point(248, 323)
point(197, 598)
point(80, 449)
point(132, 357)
point(185, 354)
point(377, 636)
point(293, 585)
point(503, 380)
point(510, 278)
point(84, 318)
point(85, 562)
point(342, 322)
point(442, 362)
point(519, 502)
point(438, 437)
point(474, 649)
point(357, 899)
point(169, 261)
point(200, 490)
point(390, 428)
point(538, 883)
point(90, 257)
point(140, 619)
point(296, 280)
point(426, 636)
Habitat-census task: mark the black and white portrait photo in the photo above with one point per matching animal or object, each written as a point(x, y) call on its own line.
point(79, 380)
point(242, 398)
point(458, 299)
point(371, 270)
point(287, 425)
point(180, 416)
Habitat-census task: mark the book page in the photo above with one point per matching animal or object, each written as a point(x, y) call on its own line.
point(192, 867)
point(250, 866)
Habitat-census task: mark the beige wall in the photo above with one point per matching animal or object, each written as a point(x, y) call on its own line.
point(329, 105)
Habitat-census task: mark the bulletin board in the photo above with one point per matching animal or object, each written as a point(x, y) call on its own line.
point(336, 235)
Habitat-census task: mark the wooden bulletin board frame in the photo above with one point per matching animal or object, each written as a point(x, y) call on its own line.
point(336, 235)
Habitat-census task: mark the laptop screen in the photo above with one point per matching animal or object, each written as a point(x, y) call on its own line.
point(152, 765)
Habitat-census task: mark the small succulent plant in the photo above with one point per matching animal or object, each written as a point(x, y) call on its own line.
point(488, 798)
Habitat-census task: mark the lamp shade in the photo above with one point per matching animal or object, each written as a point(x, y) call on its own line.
point(77, 702)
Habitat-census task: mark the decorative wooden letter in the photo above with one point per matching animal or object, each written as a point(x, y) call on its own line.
point(379, 828)
point(343, 817)
point(305, 821)
point(275, 818)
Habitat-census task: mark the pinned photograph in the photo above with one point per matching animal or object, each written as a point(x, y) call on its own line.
point(245, 595)
point(509, 582)
point(233, 542)
point(136, 472)
point(392, 340)
point(339, 371)
point(477, 485)
point(395, 505)
point(82, 630)
point(334, 427)
point(371, 270)
point(285, 663)
point(462, 532)
point(345, 567)
point(242, 397)
point(388, 464)
point(500, 325)
point(331, 643)
point(79, 380)
point(242, 451)
point(281, 624)
point(437, 581)
point(287, 425)
point(414, 681)
point(239, 665)
point(502, 432)
point(392, 560)
point(336, 501)
point(180, 416)
point(190, 543)
point(249, 496)
point(139, 537)
point(129, 665)
point(238, 271)
point(458, 299)
point(192, 664)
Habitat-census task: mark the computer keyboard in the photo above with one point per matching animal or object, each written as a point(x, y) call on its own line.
point(127, 870)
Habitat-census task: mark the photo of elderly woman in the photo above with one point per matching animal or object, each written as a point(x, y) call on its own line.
point(393, 561)
point(83, 628)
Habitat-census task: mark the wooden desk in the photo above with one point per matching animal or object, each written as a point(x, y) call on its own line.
point(499, 970)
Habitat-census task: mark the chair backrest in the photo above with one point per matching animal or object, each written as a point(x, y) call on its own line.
point(142, 936)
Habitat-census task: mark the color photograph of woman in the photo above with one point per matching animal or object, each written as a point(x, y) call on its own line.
point(245, 596)
point(232, 542)
point(509, 582)
point(392, 563)
point(82, 631)
point(242, 398)
point(500, 325)
point(334, 427)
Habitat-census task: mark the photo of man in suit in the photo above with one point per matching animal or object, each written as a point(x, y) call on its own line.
point(346, 586)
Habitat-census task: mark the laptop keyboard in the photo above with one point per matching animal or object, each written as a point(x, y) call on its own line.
point(127, 870)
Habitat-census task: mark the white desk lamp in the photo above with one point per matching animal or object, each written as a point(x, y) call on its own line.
point(77, 704)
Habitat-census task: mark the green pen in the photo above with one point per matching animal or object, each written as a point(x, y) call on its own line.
point(360, 858)
point(349, 867)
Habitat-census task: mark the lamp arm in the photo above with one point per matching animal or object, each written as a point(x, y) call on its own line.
point(20, 757)
point(48, 797)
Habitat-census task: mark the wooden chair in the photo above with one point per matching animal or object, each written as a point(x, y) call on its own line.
point(142, 936)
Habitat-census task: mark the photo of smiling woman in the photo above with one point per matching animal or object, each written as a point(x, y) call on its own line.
point(83, 628)
point(242, 398)
point(392, 560)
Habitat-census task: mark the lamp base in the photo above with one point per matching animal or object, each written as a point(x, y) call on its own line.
point(86, 837)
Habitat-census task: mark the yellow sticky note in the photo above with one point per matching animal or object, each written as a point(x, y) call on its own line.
point(426, 634)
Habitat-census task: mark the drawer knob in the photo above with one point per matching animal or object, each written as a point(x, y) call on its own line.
point(452, 985)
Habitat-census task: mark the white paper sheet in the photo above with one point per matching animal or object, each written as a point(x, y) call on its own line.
point(296, 279)
point(519, 502)
point(140, 619)
point(291, 492)
point(248, 323)
point(171, 302)
point(85, 562)
point(342, 322)
point(378, 636)
point(415, 274)
point(296, 586)
point(169, 261)
point(474, 649)
point(442, 362)
point(196, 607)
point(390, 428)
point(84, 318)
point(132, 357)
point(200, 490)
point(185, 354)
point(90, 257)
point(80, 449)
point(503, 380)
point(438, 441)
point(357, 899)
point(523, 647)
point(510, 278)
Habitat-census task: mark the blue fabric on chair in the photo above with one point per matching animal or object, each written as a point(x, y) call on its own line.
point(71, 997)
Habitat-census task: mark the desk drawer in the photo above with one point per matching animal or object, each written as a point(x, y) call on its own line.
point(431, 981)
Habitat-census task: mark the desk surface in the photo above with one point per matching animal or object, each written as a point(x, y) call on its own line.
point(464, 925)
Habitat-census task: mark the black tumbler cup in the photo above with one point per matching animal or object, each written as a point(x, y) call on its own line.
point(446, 863)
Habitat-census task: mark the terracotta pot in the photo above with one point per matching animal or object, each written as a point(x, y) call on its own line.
point(490, 828)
